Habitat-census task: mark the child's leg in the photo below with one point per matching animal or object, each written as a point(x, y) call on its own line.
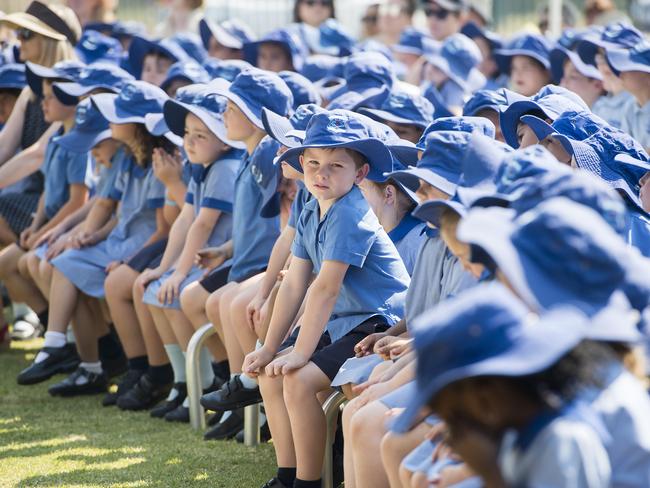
point(34, 268)
point(233, 349)
point(245, 336)
point(301, 388)
point(213, 315)
point(63, 297)
point(153, 342)
point(394, 448)
point(367, 427)
point(88, 326)
point(45, 271)
point(7, 236)
point(20, 289)
point(193, 303)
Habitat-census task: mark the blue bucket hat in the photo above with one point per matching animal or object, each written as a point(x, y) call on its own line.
point(128, 29)
point(208, 107)
point(328, 38)
point(90, 128)
point(192, 45)
point(105, 28)
point(302, 89)
point(99, 75)
point(135, 100)
point(579, 260)
point(12, 77)
point(635, 162)
point(473, 31)
point(534, 46)
point(403, 108)
point(458, 58)
point(575, 125)
point(616, 322)
point(228, 69)
point(551, 102)
point(440, 165)
point(634, 59)
point(485, 331)
point(410, 42)
point(254, 89)
point(565, 49)
point(141, 46)
point(188, 70)
point(457, 124)
point(95, 46)
point(479, 167)
point(323, 67)
point(268, 174)
point(289, 40)
point(617, 35)
point(63, 70)
point(369, 76)
point(230, 33)
point(497, 100)
point(278, 127)
point(343, 129)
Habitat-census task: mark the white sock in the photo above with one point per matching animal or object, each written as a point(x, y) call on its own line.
point(225, 416)
point(248, 382)
point(173, 394)
point(262, 418)
point(52, 339)
point(92, 368)
point(177, 360)
point(70, 336)
point(232, 375)
point(186, 402)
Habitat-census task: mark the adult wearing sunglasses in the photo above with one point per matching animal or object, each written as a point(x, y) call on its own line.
point(47, 35)
point(445, 17)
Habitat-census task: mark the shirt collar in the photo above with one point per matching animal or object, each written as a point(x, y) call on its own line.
point(405, 226)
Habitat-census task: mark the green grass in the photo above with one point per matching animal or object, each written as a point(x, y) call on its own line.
point(46, 441)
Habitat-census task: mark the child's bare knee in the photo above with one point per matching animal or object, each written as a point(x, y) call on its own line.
point(419, 480)
point(405, 476)
point(212, 307)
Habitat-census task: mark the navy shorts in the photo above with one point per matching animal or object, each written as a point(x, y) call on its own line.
point(219, 277)
point(148, 257)
point(330, 356)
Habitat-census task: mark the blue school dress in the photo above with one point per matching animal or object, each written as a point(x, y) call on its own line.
point(139, 194)
point(209, 187)
point(253, 236)
point(376, 281)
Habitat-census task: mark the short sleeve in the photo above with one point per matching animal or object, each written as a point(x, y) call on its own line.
point(77, 166)
point(296, 207)
point(107, 180)
point(298, 248)
point(219, 186)
point(349, 236)
point(191, 190)
point(155, 193)
point(121, 180)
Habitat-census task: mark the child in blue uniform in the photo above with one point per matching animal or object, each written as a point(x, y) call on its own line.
point(79, 275)
point(526, 60)
point(338, 237)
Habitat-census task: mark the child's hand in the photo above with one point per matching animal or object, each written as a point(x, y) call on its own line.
point(382, 346)
point(366, 345)
point(113, 266)
point(253, 311)
point(50, 236)
point(286, 364)
point(32, 240)
point(256, 360)
point(146, 277)
point(170, 288)
point(165, 167)
point(56, 248)
point(210, 258)
point(399, 348)
point(24, 236)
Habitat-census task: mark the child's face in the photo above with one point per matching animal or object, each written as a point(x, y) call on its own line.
point(488, 65)
point(238, 127)
point(201, 145)
point(154, 68)
point(644, 193)
point(175, 85)
point(7, 102)
point(611, 82)
point(407, 59)
point(104, 151)
point(589, 89)
point(330, 174)
point(219, 51)
point(492, 116)
point(290, 172)
point(273, 57)
point(525, 135)
point(461, 251)
point(527, 76)
point(409, 132)
point(428, 192)
point(636, 82)
point(53, 109)
point(314, 12)
point(123, 132)
point(556, 148)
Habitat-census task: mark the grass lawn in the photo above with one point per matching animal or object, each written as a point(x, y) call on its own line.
point(46, 441)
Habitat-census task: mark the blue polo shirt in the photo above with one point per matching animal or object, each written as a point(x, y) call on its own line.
point(253, 236)
point(302, 197)
point(213, 187)
point(61, 168)
point(408, 237)
point(108, 176)
point(376, 281)
point(637, 231)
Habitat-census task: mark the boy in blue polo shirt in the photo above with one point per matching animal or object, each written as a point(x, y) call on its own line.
point(339, 238)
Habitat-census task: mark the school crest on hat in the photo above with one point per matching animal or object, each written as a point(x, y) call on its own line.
point(128, 92)
point(337, 124)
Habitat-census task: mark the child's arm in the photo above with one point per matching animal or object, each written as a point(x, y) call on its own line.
point(290, 296)
point(37, 221)
point(69, 223)
point(162, 228)
point(27, 161)
point(279, 255)
point(169, 169)
point(78, 196)
point(320, 302)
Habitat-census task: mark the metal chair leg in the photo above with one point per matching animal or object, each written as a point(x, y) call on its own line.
point(197, 416)
point(252, 425)
point(331, 407)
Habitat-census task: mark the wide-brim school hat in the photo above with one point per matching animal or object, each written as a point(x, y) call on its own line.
point(132, 104)
point(558, 57)
point(12, 76)
point(141, 46)
point(403, 108)
point(99, 75)
point(569, 229)
point(89, 129)
point(518, 344)
point(632, 161)
point(472, 30)
point(341, 129)
point(64, 70)
point(432, 210)
point(58, 23)
point(157, 126)
point(106, 104)
point(533, 46)
point(189, 71)
point(175, 113)
point(617, 321)
point(288, 40)
point(254, 89)
point(616, 35)
point(541, 128)
point(230, 33)
point(635, 59)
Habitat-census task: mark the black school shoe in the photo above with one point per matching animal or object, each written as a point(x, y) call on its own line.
point(265, 434)
point(94, 383)
point(228, 428)
point(231, 396)
point(60, 360)
point(179, 414)
point(128, 381)
point(159, 411)
point(274, 483)
point(143, 395)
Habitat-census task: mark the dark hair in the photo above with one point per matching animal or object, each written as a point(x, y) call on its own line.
point(14, 92)
point(146, 143)
point(404, 204)
point(537, 63)
point(296, 6)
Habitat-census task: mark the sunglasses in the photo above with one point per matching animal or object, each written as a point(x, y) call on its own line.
point(313, 3)
point(440, 14)
point(24, 34)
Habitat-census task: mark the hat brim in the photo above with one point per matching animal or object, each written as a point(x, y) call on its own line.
point(35, 74)
point(405, 152)
point(138, 50)
point(620, 61)
point(558, 57)
point(156, 125)
point(432, 210)
point(631, 161)
point(278, 127)
point(374, 150)
point(541, 128)
point(105, 103)
point(81, 142)
point(615, 322)
point(352, 100)
point(545, 343)
point(503, 58)
point(222, 87)
point(381, 115)
point(443, 64)
point(510, 118)
point(28, 21)
point(429, 176)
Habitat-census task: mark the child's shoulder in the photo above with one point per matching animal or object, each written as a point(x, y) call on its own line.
point(267, 148)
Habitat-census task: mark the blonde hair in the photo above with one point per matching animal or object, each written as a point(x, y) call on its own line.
point(142, 147)
point(53, 51)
